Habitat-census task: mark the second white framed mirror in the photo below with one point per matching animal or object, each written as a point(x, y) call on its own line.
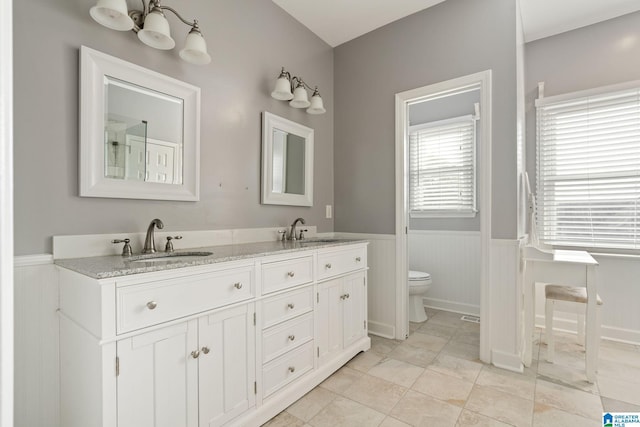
point(287, 162)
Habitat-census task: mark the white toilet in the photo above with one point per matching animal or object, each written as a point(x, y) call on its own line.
point(419, 282)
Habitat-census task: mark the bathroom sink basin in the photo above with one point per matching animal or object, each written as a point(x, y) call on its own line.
point(172, 257)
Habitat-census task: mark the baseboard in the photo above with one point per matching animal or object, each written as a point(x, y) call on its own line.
point(508, 361)
point(611, 333)
point(382, 330)
point(457, 307)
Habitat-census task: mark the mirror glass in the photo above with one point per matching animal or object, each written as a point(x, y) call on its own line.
point(143, 134)
point(139, 131)
point(287, 154)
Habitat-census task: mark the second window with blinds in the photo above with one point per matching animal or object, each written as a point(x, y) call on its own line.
point(442, 168)
point(588, 178)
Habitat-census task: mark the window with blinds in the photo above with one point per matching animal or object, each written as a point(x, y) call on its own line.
point(442, 176)
point(588, 180)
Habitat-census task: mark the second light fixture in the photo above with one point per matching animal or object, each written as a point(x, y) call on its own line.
point(294, 90)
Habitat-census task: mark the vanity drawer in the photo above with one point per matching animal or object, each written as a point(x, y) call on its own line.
point(286, 336)
point(286, 274)
point(287, 306)
point(287, 368)
point(339, 262)
point(139, 306)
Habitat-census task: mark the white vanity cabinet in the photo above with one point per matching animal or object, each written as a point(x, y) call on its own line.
point(195, 373)
point(341, 314)
point(230, 343)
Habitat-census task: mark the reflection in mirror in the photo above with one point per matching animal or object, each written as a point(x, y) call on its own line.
point(143, 134)
point(287, 162)
point(139, 132)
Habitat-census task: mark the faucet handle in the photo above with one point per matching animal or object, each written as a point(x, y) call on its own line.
point(169, 246)
point(283, 233)
point(126, 249)
point(302, 233)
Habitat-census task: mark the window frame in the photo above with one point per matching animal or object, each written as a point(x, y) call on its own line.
point(589, 243)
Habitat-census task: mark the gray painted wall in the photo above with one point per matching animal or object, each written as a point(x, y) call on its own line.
point(249, 40)
point(598, 55)
point(439, 109)
point(452, 39)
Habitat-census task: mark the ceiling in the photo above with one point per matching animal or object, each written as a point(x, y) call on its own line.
point(338, 21)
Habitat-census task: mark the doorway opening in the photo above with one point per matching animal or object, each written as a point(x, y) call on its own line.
point(429, 102)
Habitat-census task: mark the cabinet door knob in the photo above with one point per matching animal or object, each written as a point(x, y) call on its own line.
point(205, 350)
point(327, 265)
point(292, 369)
point(358, 259)
point(151, 305)
point(237, 285)
point(346, 296)
point(342, 296)
point(292, 337)
point(290, 305)
point(195, 354)
point(291, 274)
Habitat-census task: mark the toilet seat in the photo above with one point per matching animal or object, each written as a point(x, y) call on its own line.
point(418, 275)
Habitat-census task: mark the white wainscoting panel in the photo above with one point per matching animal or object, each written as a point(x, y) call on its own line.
point(37, 384)
point(506, 303)
point(381, 257)
point(453, 260)
point(619, 288)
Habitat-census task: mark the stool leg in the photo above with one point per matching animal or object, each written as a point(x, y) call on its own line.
point(548, 328)
point(593, 343)
point(581, 329)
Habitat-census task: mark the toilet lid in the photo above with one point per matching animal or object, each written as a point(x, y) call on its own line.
point(418, 275)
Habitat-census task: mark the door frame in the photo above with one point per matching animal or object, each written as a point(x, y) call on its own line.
point(402, 101)
point(6, 214)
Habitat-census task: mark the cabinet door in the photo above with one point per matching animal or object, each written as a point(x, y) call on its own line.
point(328, 313)
point(227, 370)
point(354, 290)
point(158, 378)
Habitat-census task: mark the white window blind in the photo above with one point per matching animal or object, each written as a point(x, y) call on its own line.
point(588, 181)
point(442, 168)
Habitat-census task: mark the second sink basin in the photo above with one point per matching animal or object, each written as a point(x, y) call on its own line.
point(165, 257)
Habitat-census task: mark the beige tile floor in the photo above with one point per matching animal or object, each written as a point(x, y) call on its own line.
point(434, 378)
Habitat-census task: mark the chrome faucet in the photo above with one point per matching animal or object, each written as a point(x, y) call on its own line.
point(292, 231)
point(150, 240)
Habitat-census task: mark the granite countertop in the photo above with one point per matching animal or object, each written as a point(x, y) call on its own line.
point(102, 267)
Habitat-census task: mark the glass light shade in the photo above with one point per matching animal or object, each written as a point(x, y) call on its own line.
point(156, 32)
point(300, 98)
point(112, 14)
point(317, 106)
point(195, 49)
point(282, 90)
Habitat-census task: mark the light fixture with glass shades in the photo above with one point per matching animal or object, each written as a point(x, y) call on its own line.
point(294, 90)
point(151, 26)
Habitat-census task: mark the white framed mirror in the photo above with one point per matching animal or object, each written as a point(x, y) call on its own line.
point(139, 132)
point(287, 162)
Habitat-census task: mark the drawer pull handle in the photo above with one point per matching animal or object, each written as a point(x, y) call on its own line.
point(151, 305)
point(292, 369)
point(327, 265)
point(291, 274)
point(195, 354)
point(290, 305)
point(358, 259)
point(205, 350)
point(237, 285)
point(292, 337)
